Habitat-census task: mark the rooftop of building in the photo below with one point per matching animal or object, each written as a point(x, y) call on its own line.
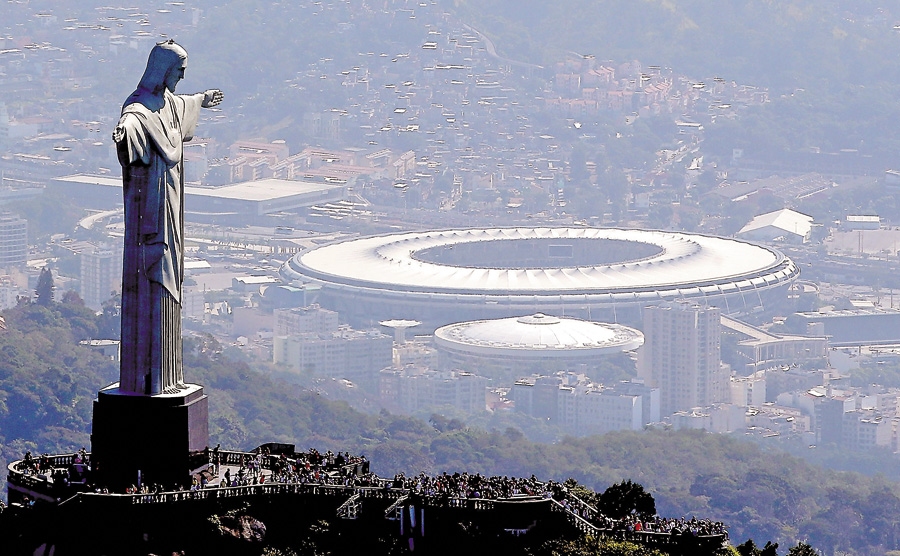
point(539, 334)
point(790, 221)
point(863, 218)
point(254, 190)
point(834, 313)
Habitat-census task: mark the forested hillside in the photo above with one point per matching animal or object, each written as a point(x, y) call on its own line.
point(47, 382)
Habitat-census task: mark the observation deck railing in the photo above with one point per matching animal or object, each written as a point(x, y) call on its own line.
point(578, 513)
point(350, 509)
point(650, 538)
point(396, 508)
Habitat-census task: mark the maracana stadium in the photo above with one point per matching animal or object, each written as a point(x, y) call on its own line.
point(445, 276)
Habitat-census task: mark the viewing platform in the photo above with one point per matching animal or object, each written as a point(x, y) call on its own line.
point(341, 486)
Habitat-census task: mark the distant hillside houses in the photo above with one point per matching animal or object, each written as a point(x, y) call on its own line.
point(585, 86)
point(255, 161)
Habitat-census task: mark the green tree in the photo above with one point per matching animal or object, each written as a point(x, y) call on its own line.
point(749, 548)
point(707, 181)
point(661, 215)
point(582, 492)
point(803, 549)
point(627, 498)
point(587, 546)
point(44, 289)
point(71, 297)
point(110, 319)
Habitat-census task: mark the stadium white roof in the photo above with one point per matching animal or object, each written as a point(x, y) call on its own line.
point(685, 262)
point(539, 334)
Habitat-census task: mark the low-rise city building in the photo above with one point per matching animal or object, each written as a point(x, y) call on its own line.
point(355, 355)
point(417, 388)
point(574, 402)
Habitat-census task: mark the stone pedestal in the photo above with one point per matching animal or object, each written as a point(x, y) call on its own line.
point(159, 438)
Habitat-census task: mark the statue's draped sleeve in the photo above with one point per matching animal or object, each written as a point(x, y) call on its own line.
point(167, 128)
point(190, 113)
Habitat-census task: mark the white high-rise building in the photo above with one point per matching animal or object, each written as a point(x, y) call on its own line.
point(13, 241)
point(304, 320)
point(9, 293)
point(681, 356)
point(419, 388)
point(748, 391)
point(584, 407)
point(101, 275)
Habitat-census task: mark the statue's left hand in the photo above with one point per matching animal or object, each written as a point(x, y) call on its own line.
point(212, 97)
point(119, 132)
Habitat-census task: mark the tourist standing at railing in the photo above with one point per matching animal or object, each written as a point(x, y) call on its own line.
point(215, 458)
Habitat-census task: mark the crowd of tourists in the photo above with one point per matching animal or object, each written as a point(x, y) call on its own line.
point(465, 485)
point(45, 467)
point(673, 526)
point(668, 525)
point(312, 466)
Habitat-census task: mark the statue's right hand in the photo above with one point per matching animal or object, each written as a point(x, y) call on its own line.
point(212, 97)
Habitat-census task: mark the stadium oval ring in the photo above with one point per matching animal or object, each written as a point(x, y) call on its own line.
point(415, 274)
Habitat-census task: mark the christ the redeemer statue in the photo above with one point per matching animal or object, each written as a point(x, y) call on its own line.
point(149, 141)
point(151, 427)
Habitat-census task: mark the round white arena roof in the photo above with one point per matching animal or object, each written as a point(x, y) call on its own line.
point(538, 335)
point(540, 269)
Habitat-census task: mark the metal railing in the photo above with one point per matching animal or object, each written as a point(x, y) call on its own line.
point(20, 468)
point(582, 508)
point(574, 519)
point(350, 509)
point(394, 510)
point(235, 458)
point(651, 538)
point(248, 491)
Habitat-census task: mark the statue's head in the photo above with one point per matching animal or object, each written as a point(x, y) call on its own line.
point(165, 67)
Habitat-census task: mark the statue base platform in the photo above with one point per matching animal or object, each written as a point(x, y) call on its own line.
point(159, 439)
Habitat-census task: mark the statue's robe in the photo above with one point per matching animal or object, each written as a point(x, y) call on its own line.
point(153, 272)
